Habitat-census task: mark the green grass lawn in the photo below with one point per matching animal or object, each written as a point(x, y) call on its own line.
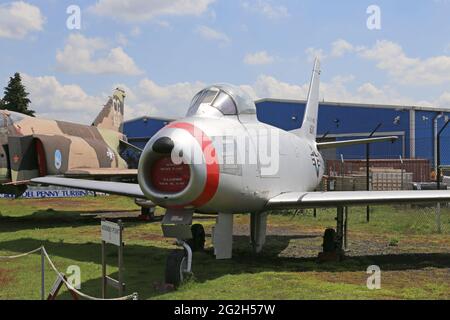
point(414, 259)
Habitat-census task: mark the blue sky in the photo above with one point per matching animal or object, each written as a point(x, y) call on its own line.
point(161, 52)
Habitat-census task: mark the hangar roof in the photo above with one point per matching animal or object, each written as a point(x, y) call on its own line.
point(149, 117)
point(359, 105)
point(328, 103)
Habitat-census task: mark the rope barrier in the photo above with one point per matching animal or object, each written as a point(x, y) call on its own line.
point(20, 255)
point(133, 296)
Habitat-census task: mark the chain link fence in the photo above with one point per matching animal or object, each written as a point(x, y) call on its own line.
point(391, 173)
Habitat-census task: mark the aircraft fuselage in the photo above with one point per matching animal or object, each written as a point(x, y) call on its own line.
point(240, 158)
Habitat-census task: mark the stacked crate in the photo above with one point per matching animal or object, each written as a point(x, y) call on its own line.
point(380, 179)
point(387, 179)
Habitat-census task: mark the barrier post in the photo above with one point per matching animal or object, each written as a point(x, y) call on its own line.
point(42, 274)
point(121, 286)
point(103, 270)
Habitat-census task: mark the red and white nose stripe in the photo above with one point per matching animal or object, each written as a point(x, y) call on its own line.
point(211, 162)
point(189, 184)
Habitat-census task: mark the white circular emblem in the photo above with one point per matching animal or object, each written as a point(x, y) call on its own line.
point(110, 154)
point(58, 159)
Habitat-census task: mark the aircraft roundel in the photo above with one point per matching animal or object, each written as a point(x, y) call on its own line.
point(110, 154)
point(58, 159)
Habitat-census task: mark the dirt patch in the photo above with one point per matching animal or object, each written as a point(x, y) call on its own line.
point(390, 279)
point(5, 277)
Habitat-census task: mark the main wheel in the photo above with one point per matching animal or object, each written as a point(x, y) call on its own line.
point(329, 240)
point(147, 214)
point(197, 243)
point(175, 265)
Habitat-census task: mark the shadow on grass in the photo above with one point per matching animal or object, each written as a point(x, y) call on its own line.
point(144, 265)
point(46, 219)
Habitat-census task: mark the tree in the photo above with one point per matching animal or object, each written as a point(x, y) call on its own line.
point(16, 97)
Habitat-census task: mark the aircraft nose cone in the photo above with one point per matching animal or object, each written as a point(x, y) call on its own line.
point(163, 145)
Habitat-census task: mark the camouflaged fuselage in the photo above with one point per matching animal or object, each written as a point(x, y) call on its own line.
point(31, 147)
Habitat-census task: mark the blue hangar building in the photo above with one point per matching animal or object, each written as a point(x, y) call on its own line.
point(416, 127)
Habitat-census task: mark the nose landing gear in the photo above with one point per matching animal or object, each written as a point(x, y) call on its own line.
point(179, 262)
point(179, 265)
point(177, 224)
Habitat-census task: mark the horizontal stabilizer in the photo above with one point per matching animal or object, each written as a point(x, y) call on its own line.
point(126, 144)
point(338, 144)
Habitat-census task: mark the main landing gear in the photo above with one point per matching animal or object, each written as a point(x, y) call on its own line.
point(197, 243)
point(147, 209)
point(334, 241)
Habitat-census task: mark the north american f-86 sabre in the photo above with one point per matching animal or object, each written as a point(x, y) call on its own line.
point(220, 159)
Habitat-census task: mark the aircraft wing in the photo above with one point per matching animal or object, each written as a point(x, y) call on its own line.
point(100, 173)
point(118, 188)
point(292, 200)
point(344, 143)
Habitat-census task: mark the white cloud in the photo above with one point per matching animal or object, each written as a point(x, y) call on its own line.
point(172, 100)
point(146, 10)
point(150, 98)
point(78, 53)
point(70, 102)
point(49, 98)
point(18, 19)
point(443, 100)
point(214, 35)
point(336, 90)
point(391, 58)
point(266, 8)
point(257, 58)
point(341, 47)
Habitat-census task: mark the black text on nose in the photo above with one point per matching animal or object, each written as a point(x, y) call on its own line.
point(163, 145)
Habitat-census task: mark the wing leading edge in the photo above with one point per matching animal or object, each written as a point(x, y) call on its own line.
point(117, 188)
point(292, 200)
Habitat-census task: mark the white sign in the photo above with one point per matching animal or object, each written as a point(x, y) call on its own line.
point(111, 232)
point(52, 192)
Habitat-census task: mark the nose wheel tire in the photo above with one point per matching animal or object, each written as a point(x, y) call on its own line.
point(176, 266)
point(197, 243)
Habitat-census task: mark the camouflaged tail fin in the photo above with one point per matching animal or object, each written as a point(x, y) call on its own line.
point(111, 116)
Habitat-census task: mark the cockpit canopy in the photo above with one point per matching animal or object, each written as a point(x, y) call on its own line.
point(228, 99)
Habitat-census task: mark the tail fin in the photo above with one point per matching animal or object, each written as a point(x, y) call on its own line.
point(111, 116)
point(309, 126)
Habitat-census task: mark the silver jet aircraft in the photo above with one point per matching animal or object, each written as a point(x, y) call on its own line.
point(220, 159)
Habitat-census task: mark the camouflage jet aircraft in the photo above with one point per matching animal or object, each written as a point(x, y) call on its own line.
point(33, 147)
